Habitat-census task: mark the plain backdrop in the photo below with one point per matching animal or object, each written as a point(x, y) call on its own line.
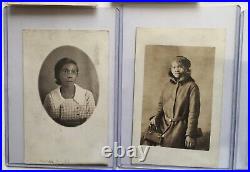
point(158, 60)
point(87, 77)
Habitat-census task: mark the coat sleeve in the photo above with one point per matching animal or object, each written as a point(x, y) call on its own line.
point(160, 106)
point(159, 111)
point(194, 111)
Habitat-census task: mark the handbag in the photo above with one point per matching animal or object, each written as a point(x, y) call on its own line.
point(152, 135)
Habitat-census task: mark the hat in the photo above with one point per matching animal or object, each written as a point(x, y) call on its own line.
point(183, 61)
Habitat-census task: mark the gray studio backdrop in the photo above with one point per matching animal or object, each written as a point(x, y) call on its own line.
point(87, 77)
point(158, 60)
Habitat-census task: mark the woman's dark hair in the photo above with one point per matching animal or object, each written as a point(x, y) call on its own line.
point(184, 61)
point(59, 66)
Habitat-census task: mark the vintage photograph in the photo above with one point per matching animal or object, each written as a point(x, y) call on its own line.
point(178, 82)
point(178, 87)
point(65, 96)
point(68, 86)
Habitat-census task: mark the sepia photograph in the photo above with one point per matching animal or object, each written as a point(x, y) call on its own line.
point(68, 86)
point(177, 95)
point(65, 96)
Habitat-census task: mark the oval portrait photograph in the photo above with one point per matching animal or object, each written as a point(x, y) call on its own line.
point(68, 86)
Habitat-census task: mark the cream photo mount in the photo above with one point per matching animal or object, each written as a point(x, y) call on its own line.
point(194, 44)
point(40, 129)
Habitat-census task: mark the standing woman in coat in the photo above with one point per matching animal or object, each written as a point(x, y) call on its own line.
point(178, 109)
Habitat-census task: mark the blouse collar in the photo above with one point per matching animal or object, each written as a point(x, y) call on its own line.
point(78, 97)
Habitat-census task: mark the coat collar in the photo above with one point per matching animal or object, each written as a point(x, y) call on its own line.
point(184, 79)
point(78, 97)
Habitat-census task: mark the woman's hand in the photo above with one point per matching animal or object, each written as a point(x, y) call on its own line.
point(190, 142)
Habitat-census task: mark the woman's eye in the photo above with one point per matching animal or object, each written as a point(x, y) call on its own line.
point(70, 71)
point(73, 71)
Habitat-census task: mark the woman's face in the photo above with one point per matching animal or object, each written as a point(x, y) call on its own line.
point(177, 69)
point(68, 74)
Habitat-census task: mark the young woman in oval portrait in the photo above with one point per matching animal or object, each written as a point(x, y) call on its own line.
point(73, 99)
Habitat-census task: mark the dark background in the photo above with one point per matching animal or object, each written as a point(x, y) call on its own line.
point(87, 77)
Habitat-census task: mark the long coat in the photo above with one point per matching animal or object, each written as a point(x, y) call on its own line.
point(178, 111)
